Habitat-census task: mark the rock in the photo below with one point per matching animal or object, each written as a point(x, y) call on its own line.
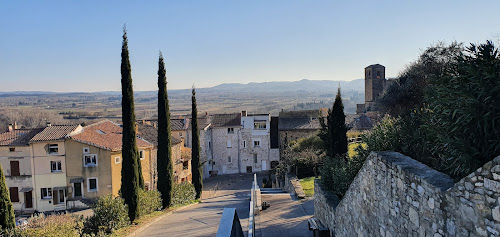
point(496, 213)
point(413, 217)
point(430, 202)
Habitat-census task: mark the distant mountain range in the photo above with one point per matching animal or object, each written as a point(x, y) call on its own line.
point(275, 86)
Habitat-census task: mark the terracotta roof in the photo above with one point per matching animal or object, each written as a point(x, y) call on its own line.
point(55, 133)
point(18, 137)
point(225, 120)
point(203, 122)
point(150, 133)
point(105, 134)
point(363, 122)
point(178, 125)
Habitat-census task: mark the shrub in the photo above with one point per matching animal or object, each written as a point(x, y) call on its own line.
point(183, 193)
point(109, 214)
point(149, 201)
point(53, 225)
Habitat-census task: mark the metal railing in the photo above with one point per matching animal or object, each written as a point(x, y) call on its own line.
point(253, 207)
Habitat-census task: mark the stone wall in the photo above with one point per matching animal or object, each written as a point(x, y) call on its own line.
point(394, 195)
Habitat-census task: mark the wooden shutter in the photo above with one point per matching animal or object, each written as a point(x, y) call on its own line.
point(14, 168)
point(14, 194)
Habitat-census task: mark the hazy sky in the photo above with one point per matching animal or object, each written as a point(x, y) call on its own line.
point(75, 46)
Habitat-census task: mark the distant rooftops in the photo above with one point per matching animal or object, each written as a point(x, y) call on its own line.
point(150, 133)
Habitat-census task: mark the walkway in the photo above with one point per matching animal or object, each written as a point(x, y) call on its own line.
point(285, 216)
point(203, 219)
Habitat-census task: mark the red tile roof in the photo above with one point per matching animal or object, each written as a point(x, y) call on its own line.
point(18, 137)
point(105, 134)
point(55, 133)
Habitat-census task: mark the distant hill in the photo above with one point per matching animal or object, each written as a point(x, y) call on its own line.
point(274, 86)
point(303, 85)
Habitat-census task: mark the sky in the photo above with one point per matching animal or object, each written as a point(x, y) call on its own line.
point(75, 46)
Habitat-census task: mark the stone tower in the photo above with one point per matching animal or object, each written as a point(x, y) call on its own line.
point(374, 83)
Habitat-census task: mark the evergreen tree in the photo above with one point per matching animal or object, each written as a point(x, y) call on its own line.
point(196, 167)
point(333, 132)
point(131, 173)
point(164, 160)
point(7, 218)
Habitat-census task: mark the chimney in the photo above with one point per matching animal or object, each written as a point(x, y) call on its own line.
point(243, 113)
point(49, 124)
point(15, 125)
point(10, 127)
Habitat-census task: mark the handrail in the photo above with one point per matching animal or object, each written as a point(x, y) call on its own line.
point(253, 205)
point(229, 224)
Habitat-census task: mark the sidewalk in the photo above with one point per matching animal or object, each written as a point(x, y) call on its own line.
point(285, 216)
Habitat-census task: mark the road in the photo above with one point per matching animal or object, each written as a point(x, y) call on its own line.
point(203, 219)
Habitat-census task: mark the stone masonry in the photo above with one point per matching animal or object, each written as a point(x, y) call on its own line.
point(394, 195)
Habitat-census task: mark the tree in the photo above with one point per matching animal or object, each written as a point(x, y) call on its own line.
point(7, 218)
point(333, 132)
point(131, 173)
point(196, 166)
point(164, 155)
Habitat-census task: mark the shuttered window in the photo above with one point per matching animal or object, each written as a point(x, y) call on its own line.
point(14, 168)
point(14, 194)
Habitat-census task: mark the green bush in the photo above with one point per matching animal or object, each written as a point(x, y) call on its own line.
point(149, 201)
point(109, 214)
point(183, 193)
point(53, 225)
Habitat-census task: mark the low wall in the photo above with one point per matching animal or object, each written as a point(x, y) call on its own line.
point(292, 186)
point(394, 195)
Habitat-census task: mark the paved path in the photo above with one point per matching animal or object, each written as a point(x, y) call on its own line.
point(203, 219)
point(285, 217)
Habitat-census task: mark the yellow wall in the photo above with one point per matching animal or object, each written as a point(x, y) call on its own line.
point(77, 169)
point(116, 169)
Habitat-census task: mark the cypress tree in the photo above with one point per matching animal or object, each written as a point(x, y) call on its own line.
point(130, 165)
point(334, 131)
point(196, 167)
point(7, 218)
point(164, 160)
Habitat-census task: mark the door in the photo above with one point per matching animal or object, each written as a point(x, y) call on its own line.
point(264, 165)
point(28, 199)
point(224, 169)
point(77, 189)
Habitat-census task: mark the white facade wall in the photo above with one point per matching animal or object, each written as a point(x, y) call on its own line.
point(22, 154)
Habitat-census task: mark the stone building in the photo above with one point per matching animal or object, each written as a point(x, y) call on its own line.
point(294, 125)
point(236, 143)
point(375, 83)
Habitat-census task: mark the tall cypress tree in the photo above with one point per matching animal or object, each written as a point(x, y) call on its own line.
point(334, 131)
point(196, 168)
point(130, 164)
point(164, 160)
point(7, 218)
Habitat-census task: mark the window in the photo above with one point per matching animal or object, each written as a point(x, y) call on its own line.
point(229, 159)
point(14, 168)
point(256, 143)
point(230, 130)
point(118, 160)
point(141, 154)
point(86, 150)
point(244, 144)
point(92, 184)
point(255, 158)
point(89, 160)
point(259, 125)
point(55, 166)
point(11, 149)
point(53, 148)
point(61, 196)
point(14, 194)
point(180, 134)
point(185, 165)
point(46, 193)
point(229, 144)
point(147, 186)
point(209, 145)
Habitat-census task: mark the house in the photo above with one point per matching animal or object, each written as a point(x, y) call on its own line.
point(96, 161)
point(17, 164)
point(49, 168)
point(294, 125)
point(181, 155)
point(237, 143)
point(178, 128)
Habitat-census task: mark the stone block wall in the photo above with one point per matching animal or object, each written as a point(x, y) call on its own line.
point(394, 195)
